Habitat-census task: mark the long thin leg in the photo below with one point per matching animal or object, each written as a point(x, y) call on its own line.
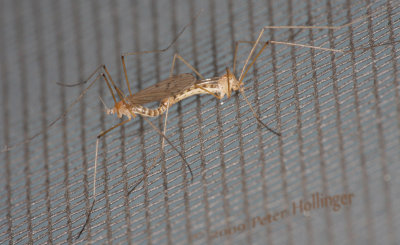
point(169, 142)
point(155, 159)
point(119, 92)
point(246, 67)
point(193, 69)
point(95, 164)
point(236, 51)
point(242, 89)
point(153, 51)
point(166, 48)
point(255, 114)
point(276, 42)
point(97, 147)
point(164, 132)
point(320, 27)
point(298, 27)
point(166, 117)
point(100, 67)
point(113, 127)
point(109, 87)
point(244, 95)
point(252, 63)
point(209, 92)
point(126, 74)
point(85, 81)
point(9, 148)
point(89, 212)
point(186, 63)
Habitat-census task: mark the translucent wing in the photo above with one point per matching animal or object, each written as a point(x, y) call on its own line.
point(164, 89)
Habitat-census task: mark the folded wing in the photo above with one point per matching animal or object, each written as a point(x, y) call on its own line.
point(164, 89)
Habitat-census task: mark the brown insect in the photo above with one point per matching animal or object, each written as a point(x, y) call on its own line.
point(225, 84)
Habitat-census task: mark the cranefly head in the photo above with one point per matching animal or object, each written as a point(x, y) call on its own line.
point(228, 83)
point(121, 108)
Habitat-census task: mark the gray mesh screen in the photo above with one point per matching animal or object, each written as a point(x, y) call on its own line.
point(339, 115)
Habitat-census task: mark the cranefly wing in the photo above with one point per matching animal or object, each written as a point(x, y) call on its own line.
point(164, 89)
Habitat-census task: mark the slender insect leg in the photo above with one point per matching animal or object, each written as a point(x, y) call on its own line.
point(166, 117)
point(139, 53)
point(109, 87)
point(194, 70)
point(119, 92)
point(246, 67)
point(209, 92)
point(157, 157)
point(163, 140)
point(98, 68)
point(250, 54)
point(152, 51)
point(165, 137)
point(89, 212)
point(320, 27)
point(236, 52)
point(314, 27)
point(298, 27)
point(113, 127)
point(9, 148)
point(186, 63)
point(243, 74)
point(154, 163)
point(97, 144)
point(162, 144)
point(86, 80)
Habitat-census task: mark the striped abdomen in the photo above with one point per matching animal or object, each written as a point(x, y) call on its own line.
point(193, 90)
point(144, 111)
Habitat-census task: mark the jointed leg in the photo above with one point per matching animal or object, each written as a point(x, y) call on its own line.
point(154, 163)
point(186, 63)
point(218, 96)
point(152, 51)
point(138, 53)
point(209, 92)
point(119, 92)
point(320, 27)
point(193, 69)
point(300, 45)
point(236, 51)
point(9, 148)
point(255, 113)
point(158, 156)
point(109, 87)
point(95, 173)
point(243, 74)
point(246, 69)
point(97, 145)
point(104, 68)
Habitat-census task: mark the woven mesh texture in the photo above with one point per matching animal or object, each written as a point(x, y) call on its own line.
point(339, 115)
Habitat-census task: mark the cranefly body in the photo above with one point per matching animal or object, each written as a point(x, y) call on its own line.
point(171, 91)
point(181, 86)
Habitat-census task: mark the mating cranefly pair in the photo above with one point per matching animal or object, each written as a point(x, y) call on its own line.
point(180, 86)
point(176, 88)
